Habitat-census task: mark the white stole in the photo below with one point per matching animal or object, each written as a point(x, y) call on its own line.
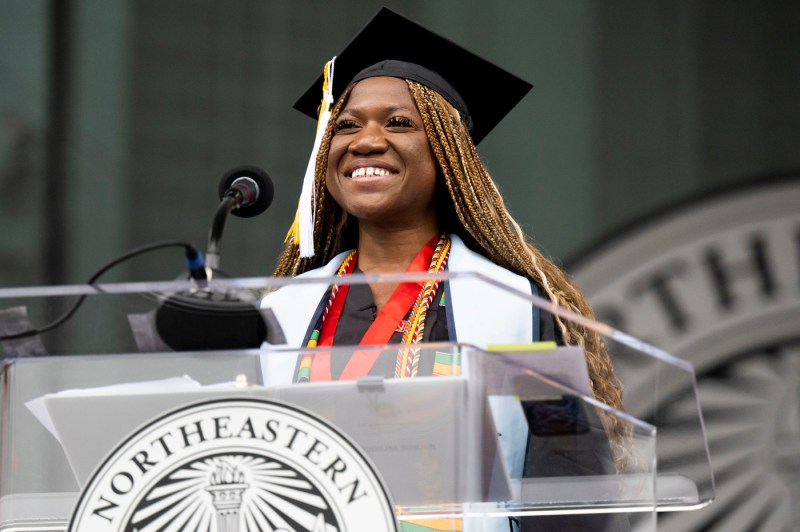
point(484, 313)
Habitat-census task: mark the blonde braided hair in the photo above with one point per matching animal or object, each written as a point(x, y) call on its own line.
point(472, 207)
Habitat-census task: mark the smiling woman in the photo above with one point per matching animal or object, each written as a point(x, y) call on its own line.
point(397, 185)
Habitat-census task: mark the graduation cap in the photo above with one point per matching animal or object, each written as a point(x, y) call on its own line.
point(391, 45)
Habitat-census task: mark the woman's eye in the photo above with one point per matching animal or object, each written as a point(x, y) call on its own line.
point(400, 121)
point(342, 125)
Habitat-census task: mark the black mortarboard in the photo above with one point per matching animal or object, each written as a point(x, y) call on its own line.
point(487, 91)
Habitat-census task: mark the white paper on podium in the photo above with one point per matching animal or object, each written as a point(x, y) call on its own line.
point(68, 414)
point(38, 406)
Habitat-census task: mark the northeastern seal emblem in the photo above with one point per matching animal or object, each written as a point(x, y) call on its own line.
point(235, 465)
point(715, 281)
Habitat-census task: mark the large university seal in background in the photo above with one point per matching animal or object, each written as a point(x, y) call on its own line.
point(236, 465)
point(716, 281)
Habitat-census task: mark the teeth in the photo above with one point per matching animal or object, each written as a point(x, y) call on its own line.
point(370, 171)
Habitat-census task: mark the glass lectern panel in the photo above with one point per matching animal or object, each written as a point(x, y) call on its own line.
point(484, 433)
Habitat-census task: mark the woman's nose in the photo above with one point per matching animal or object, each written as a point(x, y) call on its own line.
point(370, 139)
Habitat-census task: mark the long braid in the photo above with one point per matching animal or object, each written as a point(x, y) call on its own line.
point(482, 213)
point(484, 223)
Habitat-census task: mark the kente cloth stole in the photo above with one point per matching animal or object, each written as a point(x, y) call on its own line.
point(446, 364)
point(416, 296)
point(445, 524)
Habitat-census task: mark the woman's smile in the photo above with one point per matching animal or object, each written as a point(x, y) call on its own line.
point(370, 171)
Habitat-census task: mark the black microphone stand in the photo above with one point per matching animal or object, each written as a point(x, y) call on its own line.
point(229, 202)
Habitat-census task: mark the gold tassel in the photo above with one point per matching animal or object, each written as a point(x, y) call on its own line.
point(301, 233)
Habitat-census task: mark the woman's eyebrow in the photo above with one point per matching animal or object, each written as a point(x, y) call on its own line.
point(388, 110)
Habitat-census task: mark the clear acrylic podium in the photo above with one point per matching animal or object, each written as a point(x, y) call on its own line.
point(509, 436)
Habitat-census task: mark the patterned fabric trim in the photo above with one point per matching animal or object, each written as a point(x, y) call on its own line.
point(304, 372)
point(446, 364)
point(425, 525)
point(407, 363)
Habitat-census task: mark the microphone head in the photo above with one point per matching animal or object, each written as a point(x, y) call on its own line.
point(263, 189)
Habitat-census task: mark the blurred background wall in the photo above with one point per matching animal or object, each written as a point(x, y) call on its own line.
point(117, 119)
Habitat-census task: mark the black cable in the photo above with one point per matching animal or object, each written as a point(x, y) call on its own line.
point(192, 256)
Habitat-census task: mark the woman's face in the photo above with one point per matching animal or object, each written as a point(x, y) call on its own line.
point(380, 166)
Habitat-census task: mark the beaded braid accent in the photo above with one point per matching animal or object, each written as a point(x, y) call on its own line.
point(407, 363)
point(304, 373)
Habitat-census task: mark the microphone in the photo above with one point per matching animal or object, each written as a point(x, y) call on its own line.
point(207, 319)
point(250, 187)
point(244, 191)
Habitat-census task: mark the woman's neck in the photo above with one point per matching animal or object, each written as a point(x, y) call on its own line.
point(388, 251)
